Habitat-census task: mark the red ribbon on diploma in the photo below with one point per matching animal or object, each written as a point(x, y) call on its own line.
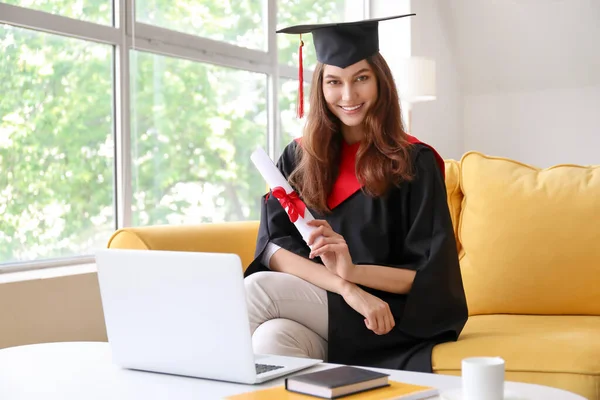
point(290, 202)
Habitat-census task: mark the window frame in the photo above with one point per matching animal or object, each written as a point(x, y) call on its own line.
point(126, 35)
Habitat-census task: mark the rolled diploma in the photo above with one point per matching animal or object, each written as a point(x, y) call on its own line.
point(274, 178)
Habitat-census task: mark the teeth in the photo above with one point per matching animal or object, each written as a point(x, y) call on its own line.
point(351, 108)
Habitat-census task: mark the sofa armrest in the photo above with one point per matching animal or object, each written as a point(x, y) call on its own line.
point(227, 237)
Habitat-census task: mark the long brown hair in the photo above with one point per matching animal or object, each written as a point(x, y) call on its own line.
point(383, 157)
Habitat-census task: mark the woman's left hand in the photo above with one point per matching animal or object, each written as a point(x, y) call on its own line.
point(332, 249)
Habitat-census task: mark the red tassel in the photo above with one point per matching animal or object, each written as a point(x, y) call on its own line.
point(300, 105)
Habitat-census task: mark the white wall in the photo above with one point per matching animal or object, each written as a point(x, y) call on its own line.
point(438, 122)
point(531, 78)
point(394, 36)
point(425, 35)
point(542, 128)
point(519, 79)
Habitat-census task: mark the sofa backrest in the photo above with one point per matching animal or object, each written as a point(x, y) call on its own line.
point(224, 237)
point(529, 238)
point(454, 194)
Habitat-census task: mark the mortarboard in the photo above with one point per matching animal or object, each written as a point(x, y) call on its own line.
point(340, 44)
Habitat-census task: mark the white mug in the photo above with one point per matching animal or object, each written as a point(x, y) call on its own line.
point(483, 378)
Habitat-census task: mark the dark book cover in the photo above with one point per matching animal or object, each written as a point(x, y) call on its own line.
point(336, 377)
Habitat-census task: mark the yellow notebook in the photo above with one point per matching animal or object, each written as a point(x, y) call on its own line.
point(396, 391)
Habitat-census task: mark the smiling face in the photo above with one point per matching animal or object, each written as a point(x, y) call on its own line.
point(350, 92)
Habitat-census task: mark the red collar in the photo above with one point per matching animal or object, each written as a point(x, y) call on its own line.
point(347, 184)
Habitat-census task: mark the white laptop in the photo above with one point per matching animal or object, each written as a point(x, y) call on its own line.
point(183, 313)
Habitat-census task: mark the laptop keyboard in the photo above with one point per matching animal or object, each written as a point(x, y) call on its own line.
point(262, 368)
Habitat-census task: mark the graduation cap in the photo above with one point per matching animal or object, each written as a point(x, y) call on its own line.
point(339, 44)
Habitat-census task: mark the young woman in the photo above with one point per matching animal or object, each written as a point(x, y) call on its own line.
point(380, 284)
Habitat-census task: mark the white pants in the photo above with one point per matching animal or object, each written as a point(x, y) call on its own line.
point(288, 315)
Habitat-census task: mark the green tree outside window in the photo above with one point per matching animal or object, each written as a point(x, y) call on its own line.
point(193, 127)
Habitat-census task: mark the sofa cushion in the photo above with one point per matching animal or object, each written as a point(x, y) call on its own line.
point(530, 237)
point(558, 351)
point(453, 194)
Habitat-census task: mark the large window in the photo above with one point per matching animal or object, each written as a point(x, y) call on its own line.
point(109, 120)
point(98, 11)
point(291, 126)
point(194, 127)
point(56, 145)
point(236, 22)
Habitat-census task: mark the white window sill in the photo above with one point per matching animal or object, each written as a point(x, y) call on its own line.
point(47, 273)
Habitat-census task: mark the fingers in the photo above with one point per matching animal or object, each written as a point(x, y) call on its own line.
point(380, 321)
point(323, 229)
point(389, 323)
point(319, 222)
point(372, 324)
point(324, 240)
point(330, 245)
point(374, 321)
point(320, 231)
point(382, 326)
point(377, 324)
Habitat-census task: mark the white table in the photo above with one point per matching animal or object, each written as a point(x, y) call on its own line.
point(84, 370)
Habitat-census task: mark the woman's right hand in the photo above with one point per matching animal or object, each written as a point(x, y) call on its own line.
point(378, 316)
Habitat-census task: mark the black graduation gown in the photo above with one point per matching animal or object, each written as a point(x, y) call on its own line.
point(408, 228)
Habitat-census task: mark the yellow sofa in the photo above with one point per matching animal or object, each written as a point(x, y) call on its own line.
point(529, 244)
